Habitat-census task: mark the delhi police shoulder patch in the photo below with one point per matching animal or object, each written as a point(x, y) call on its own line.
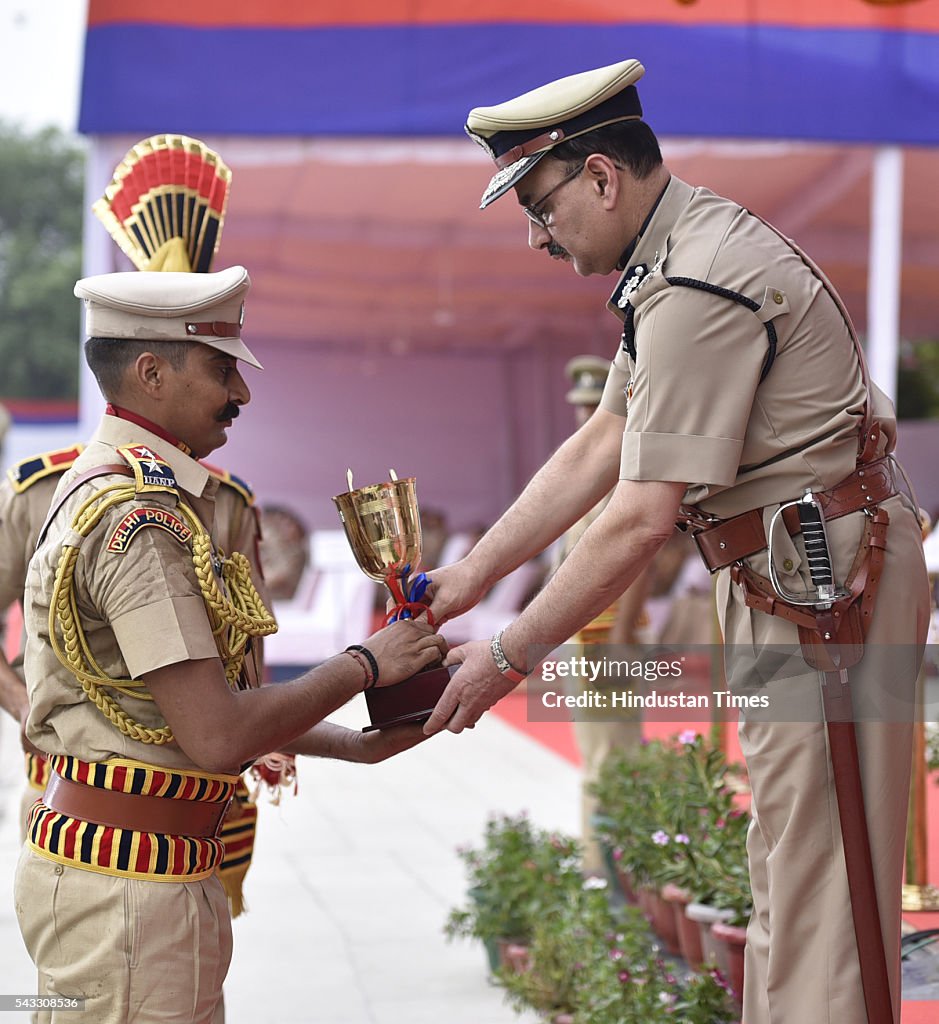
point(151, 473)
point(37, 467)
point(138, 518)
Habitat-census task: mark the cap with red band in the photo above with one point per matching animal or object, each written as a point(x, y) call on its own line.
point(171, 306)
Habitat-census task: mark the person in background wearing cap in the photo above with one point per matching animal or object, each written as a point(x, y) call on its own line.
point(598, 732)
point(745, 386)
point(139, 667)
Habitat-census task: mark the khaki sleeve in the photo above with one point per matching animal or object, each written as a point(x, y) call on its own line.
point(698, 361)
point(14, 527)
point(613, 398)
point(148, 594)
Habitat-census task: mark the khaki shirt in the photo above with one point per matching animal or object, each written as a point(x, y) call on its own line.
point(698, 413)
point(141, 608)
point(21, 517)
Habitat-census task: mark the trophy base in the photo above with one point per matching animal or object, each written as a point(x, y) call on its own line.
point(412, 700)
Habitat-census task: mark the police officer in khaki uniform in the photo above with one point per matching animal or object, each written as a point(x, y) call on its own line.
point(598, 732)
point(136, 667)
point(745, 387)
point(25, 495)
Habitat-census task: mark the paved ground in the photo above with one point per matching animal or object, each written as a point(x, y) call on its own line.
point(352, 882)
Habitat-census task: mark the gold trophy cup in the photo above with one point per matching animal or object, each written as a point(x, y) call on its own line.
point(383, 526)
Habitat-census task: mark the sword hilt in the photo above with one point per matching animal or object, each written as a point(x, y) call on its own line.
point(816, 548)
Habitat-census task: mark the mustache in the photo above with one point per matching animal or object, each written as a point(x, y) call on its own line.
point(556, 250)
point(230, 412)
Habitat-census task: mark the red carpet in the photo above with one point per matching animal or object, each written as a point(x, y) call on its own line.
point(559, 737)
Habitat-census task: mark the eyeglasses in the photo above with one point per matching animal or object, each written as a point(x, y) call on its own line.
point(534, 212)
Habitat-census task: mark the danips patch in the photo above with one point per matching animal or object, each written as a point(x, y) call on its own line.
point(151, 473)
point(138, 518)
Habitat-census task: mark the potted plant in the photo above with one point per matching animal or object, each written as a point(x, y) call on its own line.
point(708, 845)
point(592, 964)
point(631, 791)
point(515, 878)
point(625, 980)
point(561, 945)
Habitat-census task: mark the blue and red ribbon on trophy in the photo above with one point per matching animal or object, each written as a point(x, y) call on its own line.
point(407, 596)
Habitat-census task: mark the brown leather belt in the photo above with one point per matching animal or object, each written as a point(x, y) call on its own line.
point(723, 543)
point(195, 818)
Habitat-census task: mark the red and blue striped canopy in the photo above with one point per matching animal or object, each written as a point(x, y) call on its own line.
point(807, 69)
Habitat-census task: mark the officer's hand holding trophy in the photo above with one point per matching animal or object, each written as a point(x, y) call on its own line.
point(382, 524)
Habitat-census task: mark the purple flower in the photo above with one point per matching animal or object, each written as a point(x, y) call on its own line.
point(618, 853)
point(720, 980)
point(687, 736)
point(682, 838)
point(616, 954)
point(623, 976)
point(660, 838)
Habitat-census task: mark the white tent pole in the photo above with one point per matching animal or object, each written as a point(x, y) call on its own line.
point(884, 264)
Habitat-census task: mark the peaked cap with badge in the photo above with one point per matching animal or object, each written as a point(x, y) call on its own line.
point(517, 134)
point(588, 376)
point(171, 306)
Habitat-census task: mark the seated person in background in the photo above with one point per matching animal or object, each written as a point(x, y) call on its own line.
point(285, 550)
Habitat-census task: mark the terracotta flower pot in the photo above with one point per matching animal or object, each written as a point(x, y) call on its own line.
point(626, 886)
point(689, 937)
point(643, 900)
point(732, 940)
point(704, 916)
point(662, 919)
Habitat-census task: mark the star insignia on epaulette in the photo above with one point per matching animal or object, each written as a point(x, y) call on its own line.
point(638, 275)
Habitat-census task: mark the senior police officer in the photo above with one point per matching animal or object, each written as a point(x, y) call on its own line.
point(138, 635)
point(745, 387)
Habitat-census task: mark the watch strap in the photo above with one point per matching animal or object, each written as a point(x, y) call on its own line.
point(502, 662)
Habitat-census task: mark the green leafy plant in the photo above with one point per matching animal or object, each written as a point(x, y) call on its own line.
point(520, 874)
point(932, 747)
point(560, 947)
point(672, 815)
point(596, 964)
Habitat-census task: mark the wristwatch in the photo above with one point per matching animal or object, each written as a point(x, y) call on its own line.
point(502, 662)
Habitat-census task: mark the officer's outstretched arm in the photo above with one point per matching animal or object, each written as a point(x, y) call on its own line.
point(612, 552)
point(335, 741)
point(578, 475)
point(220, 730)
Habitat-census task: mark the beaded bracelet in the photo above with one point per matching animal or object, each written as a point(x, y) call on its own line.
point(372, 679)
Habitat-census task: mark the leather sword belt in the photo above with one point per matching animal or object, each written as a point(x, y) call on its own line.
point(726, 541)
point(195, 818)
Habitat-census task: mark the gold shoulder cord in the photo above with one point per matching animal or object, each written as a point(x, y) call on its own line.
point(233, 620)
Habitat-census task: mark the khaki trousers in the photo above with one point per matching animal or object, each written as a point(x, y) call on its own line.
point(139, 952)
point(801, 957)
